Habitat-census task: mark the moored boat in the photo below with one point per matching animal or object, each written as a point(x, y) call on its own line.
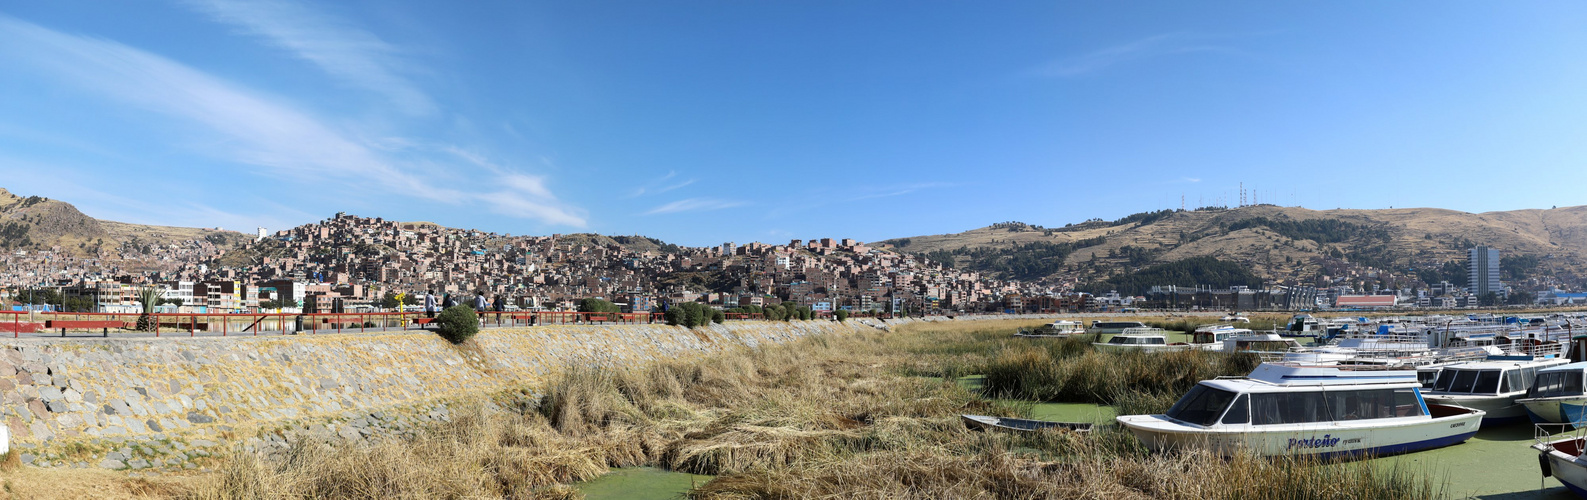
point(1287, 409)
point(1056, 329)
point(1557, 396)
point(984, 422)
point(1492, 386)
point(1140, 339)
point(1562, 459)
point(1103, 327)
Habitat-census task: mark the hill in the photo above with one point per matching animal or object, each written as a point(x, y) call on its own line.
point(1285, 245)
point(37, 222)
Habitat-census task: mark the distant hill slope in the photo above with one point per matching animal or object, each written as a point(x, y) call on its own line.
point(1291, 245)
point(36, 222)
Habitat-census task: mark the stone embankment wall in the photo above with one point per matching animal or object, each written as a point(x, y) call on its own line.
point(127, 402)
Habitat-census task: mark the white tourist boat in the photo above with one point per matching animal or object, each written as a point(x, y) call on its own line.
point(1104, 327)
point(1140, 339)
point(1057, 329)
point(1492, 386)
point(1287, 409)
point(1557, 396)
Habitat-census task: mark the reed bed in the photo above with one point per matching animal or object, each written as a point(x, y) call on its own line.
point(823, 417)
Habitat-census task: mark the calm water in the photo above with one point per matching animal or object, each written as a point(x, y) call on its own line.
point(641, 483)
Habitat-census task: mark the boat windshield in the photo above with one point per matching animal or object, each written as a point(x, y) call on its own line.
point(1468, 381)
point(1554, 384)
point(1201, 406)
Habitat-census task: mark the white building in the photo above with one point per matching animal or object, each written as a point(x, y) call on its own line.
point(1482, 266)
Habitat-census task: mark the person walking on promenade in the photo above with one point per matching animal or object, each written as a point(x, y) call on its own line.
point(447, 302)
point(429, 303)
point(498, 305)
point(480, 307)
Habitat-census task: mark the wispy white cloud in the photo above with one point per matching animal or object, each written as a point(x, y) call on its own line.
point(258, 130)
point(346, 52)
point(694, 205)
point(1190, 179)
point(899, 190)
point(661, 185)
point(1152, 46)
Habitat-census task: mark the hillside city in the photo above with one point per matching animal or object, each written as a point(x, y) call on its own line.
point(351, 263)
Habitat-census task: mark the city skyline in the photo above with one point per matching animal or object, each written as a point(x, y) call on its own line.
point(704, 123)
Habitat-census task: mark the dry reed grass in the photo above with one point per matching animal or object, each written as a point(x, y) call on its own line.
point(824, 417)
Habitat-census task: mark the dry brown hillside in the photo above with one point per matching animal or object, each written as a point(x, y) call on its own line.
point(1397, 247)
point(36, 222)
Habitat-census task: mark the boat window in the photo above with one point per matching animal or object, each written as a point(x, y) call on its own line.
point(1464, 380)
point(1487, 382)
point(1426, 377)
point(1289, 408)
point(1512, 381)
point(1554, 384)
point(1360, 405)
point(1201, 406)
point(1156, 340)
point(1239, 412)
point(1445, 379)
point(1407, 403)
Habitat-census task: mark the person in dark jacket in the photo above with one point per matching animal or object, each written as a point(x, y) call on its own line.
point(499, 305)
point(447, 302)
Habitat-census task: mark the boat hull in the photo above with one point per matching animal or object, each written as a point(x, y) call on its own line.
point(1566, 467)
point(1501, 410)
point(1562, 410)
point(1324, 440)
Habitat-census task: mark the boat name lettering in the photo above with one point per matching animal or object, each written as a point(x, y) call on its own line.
point(1353, 441)
point(1327, 441)
point(1457, 424)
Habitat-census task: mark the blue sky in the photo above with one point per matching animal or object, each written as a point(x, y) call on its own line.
point(708, 121)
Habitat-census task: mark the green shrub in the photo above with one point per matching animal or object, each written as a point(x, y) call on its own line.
point(842, 314)
point(457, 324)
point(692, 314)
point(718, 317)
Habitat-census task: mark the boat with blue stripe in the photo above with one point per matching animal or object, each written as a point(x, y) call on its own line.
point(1321, 411)
point(1557, 396)
point(1493, 386)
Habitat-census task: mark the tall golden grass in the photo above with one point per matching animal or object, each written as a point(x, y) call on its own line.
point(823, 417)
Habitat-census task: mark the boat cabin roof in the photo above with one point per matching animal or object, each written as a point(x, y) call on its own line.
point(1507, 365)
point(1582, 366)
point(1275, 375)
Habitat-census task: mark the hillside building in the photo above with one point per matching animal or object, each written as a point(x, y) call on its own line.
point(1482, 266)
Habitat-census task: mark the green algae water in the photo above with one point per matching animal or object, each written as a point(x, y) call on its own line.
point(641, 483)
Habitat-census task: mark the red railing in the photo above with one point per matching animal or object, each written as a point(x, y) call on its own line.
point(254, 324)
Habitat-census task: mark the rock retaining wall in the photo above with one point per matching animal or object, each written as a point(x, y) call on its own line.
point(164, 402)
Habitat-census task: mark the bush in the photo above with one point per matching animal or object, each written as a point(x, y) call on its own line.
point(369, 324)
point(718, 317)
point(842, 314)
point(457, 324)
point(692, 314)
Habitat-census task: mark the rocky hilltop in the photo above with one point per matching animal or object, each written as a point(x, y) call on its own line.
point(1287, 245)
point(35, 222)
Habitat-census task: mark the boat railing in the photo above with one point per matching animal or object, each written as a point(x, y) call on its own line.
point(1545, 433)
point(1535, 350)
point(1143, 331)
